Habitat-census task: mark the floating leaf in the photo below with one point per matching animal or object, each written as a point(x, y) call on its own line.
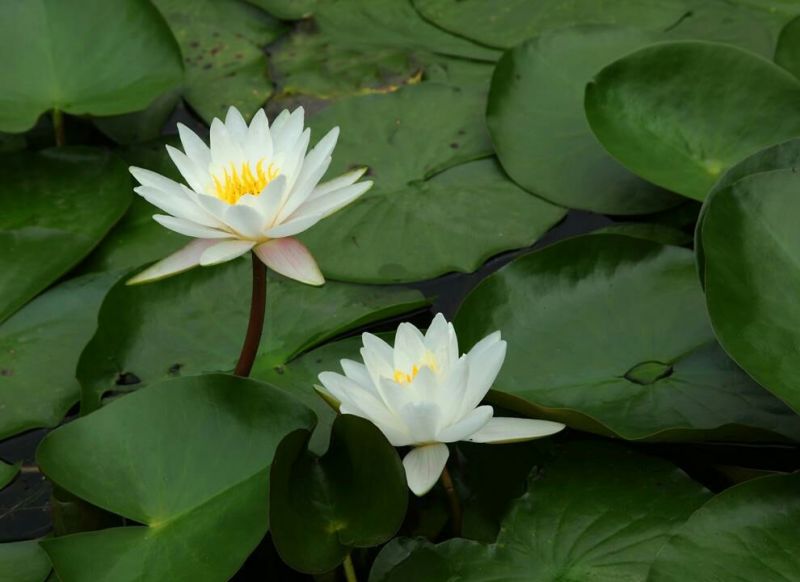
point(429, 212)
point(151, 332)
point(610, 334)
point(287, 9)
point(353, 496)
point(189, 460)
point(595, 512)
point(752, 272)
point(55, 206)
point(53, 328)
point(748, 532)
point(23, 562)
point(680, 114)
point(68, 56)
point(222, 44)
point(7, 474)
point(140, 126)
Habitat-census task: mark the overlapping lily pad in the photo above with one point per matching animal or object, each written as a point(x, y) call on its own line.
point(55, 206)
point(748, 532)
point(353, 496)
point(222, 44)
point(195, 322)
point(187, 459)
point(430, 211)
point(7, 473)
point(752, 272)
point(680, 114)
point(610, 334)
point(23, 562)
point(595, 512)
point(787, 53)
point(53, 328)
point(393, 23)
point(68, 56)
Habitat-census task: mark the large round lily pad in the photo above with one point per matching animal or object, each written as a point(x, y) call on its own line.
point(746, 533)
point(195, 322)
point(432, 209)
point(188, 459)
point(679, 114)
point(596, 512)
point(69, 56)
point(752, 273)
point(54, 326)
point(55, 206)
point(23, 562)
point(610, 334)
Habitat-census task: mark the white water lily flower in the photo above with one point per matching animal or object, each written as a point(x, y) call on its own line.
point(253, 187)
point(421, 393)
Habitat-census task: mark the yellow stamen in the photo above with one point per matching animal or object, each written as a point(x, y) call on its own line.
point(238, 182)
point(402, 378)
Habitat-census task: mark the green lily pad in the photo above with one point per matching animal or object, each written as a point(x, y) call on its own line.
point(432, 209)
point(787, 53)
point(751, 278)
point(595, 512)
point(189, 460)
point(748, 532)
point(679, 114)
point(783, 156)
point(287, 9)
point(8, 472)
point(79, 65)
point(392, 23)
point(222, 44)
point(54, 327)
point(659, 233)
point(610, 334)
point(23, 562)
point(353, 496)
point(140, 126)
point(195, 322)
point(535, 115)
point(55, 206)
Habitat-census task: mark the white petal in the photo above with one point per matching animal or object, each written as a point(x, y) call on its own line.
point(195, 148)
point(246, 221)
point(409, 347)
point(378, 357)
point(177, 204)
point(150, 178)
point(510, 430)
point(286, 130)
point(196, 177)
point(292, 227)
point(213, 206)
point(302, 188)
point(236, 126)
point(290, 258)
point(357, 372)
point(293, 158)
point(269, 200)
point(337, 183)
point(327, 205)
point(224, 151)
point(441, 340)
point(485, 361)
point(424, 466)
point(189, 228)
point(225, 251)
point(467, 426)
point(421, 419)
point(258, 145)
point(178, 262)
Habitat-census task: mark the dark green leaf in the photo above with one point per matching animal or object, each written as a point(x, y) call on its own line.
point(353, 496)
point(189, 460)
point(746, 533)
point(82, 56)
point(595, 512)
point(610, 334)
point(23, 562)
point(7, 473)
point(55, 206)
point(680, 114)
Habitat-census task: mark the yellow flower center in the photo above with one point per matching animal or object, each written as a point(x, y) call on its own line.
point(236, 182)
point(428, 361)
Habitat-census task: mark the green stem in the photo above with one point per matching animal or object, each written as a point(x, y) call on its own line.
point(258, 306)
point(58, 127)
point(349, 570)
point(456, 517)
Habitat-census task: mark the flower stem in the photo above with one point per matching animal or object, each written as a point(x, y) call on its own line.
point(349, 570)
point(455, 504)
point(58, 127)
point(258, 305)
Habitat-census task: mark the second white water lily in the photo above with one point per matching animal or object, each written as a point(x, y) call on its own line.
point(422, 393)
point(253, 187)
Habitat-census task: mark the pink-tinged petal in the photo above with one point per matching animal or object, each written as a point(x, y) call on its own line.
point(189, 228)
point(225, 251)
point(512, 430)
point(178, 262)
point(336, 184)
point(467, 426)
point(290, 258)
point(424, 466)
